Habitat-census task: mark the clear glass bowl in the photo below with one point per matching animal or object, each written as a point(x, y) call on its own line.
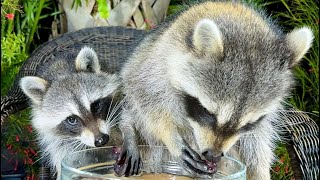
point(97, 164)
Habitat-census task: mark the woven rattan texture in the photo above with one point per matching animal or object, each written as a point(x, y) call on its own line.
point(303, 135)
point(112, 45)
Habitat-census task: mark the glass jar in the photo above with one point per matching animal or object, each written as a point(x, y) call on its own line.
point(97, 164)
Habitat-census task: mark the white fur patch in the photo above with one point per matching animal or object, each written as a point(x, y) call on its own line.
point(87, 138)
point(254, 115)
point(178, 66)
point(300, 41)
point(207, 37)
point(85, 101)
point(224, 113)
point(206, 102)
point(34, 87)
point(103, 126)
point(73, 109)
point(85, 57)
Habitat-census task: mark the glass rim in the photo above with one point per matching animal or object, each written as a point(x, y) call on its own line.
point(241, 171)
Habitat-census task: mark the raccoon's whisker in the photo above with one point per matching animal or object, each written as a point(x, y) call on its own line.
point(40, 158)
point(76, 146)
point(114, 119)
point(119, 104)
point(111, 121)
point(69, 143)
point(112, 125)
point(110, 106)
point(67, 139)
point(116, 108)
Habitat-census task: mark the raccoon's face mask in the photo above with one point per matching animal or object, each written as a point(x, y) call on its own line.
point(83, 107)
point(233, 83)
point(79, 106)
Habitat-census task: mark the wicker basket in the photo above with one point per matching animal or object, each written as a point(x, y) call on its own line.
point(140, 14)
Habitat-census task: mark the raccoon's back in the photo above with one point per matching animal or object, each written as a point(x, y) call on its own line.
point(232, 18)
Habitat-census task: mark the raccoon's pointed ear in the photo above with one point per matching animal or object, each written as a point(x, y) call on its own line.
point(299, 41)
point(87, 61)
point(207, 38)
point(34, 88)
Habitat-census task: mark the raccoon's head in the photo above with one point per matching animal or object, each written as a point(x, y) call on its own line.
point(78, 106)
point(234, 79)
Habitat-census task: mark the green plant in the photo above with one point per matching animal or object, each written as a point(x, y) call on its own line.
point(19, 26)
point(13, 55)
point(103, 9)
point(282, 167)
point(304, 13)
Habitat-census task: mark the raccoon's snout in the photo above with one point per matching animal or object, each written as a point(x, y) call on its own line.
point(100, 141)
point(211, 156)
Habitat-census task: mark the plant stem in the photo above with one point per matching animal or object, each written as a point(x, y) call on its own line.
point(35, 24)
point(18, 28)
point(10, 26)
point(3, 26)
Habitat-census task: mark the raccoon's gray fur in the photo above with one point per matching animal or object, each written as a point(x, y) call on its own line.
point(74, 106)
point(210, 82)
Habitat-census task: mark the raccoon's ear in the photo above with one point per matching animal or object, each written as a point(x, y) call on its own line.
point(207, 38)
point(299, 41)
point(87, 61)
point(34, 88)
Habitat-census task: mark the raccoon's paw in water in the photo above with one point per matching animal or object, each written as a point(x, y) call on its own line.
point(128, 162)
point(197, 167)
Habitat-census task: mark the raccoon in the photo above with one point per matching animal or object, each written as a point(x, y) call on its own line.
point(74, 106)
point(210, 82)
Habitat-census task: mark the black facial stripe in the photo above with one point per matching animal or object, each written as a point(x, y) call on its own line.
point(103, 107)
point(66, 129)
point(251, 126)
point(198, 112)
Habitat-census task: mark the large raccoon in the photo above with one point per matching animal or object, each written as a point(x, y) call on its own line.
point(74, 106)
point(209, 81)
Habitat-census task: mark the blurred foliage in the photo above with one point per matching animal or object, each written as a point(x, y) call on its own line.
point(19, 36)
point(103, 9)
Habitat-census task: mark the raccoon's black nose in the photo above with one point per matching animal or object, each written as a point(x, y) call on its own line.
point(101, 140)
point(212, 157)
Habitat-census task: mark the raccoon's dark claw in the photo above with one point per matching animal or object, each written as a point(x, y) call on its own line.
point(128, 163)
point(193, 163)
point(116, 152)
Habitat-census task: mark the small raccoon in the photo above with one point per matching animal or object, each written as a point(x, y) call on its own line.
point(211, 81)
point(74, 106)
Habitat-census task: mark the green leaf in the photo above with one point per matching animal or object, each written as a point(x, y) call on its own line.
point(103, 8)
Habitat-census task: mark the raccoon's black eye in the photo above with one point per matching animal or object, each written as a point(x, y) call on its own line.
point(101, 107)
point(95, 107)
point(72, 120)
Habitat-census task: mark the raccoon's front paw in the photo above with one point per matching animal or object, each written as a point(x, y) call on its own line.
point(193, 163)
point(128, 162)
